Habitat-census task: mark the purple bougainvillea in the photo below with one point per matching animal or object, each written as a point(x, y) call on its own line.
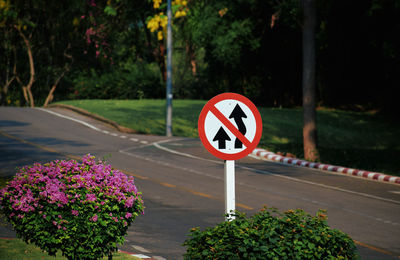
point(72, 207)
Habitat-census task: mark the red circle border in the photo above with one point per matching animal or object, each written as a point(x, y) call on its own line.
point(202, 133)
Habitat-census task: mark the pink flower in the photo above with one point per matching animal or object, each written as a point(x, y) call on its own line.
point(129, 202)
point(90, 197)
point(94, 218)
point(75, 212)
point(128, 215)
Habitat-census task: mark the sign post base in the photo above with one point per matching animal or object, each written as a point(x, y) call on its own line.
point(229, 170)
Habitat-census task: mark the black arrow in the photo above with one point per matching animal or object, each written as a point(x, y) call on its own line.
point(237, 115)
point(221, 137)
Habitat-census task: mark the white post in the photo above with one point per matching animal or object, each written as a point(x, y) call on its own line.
point(229, 170)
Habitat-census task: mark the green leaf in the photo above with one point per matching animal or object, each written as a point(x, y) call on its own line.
point(110, 10)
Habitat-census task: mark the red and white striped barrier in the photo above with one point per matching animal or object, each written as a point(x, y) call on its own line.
point(270, 156)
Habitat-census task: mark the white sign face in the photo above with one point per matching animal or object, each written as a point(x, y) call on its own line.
point(230, 126)
point(243, 117)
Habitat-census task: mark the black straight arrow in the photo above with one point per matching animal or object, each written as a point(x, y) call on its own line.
point(237, 115)
point(221, 137)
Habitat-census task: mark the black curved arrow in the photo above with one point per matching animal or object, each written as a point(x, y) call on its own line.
point(237, 115)
point(221, 137)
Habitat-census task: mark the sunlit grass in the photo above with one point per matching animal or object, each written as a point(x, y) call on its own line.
point(359, 140)
point(15, 249)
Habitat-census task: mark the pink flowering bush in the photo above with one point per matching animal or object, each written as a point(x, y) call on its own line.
point(82, 209)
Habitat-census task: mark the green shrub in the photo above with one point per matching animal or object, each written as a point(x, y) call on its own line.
point(136, 81)
point(270, 234)
point(82, 209)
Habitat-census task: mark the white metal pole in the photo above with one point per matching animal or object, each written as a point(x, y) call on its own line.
point(229, 170)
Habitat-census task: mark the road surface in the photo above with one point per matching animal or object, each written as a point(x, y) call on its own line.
point(183, 185)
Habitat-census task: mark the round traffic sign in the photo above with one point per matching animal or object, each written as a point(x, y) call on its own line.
point(230, 126)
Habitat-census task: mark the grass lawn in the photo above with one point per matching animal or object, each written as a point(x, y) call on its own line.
point(358, 140)
point(18, 250)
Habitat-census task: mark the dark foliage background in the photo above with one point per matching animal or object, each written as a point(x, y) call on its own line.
point(249, 47)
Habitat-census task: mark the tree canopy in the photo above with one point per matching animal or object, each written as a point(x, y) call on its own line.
point(115, 49)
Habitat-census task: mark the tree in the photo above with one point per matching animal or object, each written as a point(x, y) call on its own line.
point(180, 10)
point(158, 23)
point(226, 39)
point(241, 47)
point(44, 31)
point(66, 69)
point(10, 63)
point(309, 92)
point(27, 88)
point(52, 35)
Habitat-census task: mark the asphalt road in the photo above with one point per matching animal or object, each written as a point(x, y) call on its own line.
point(183, 185)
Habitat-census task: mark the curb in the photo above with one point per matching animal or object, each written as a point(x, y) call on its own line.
point(270, 156)
point(140, 256)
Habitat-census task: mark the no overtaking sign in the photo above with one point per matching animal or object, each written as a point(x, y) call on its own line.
point(230, 126)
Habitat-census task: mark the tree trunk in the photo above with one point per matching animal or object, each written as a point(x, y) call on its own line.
point(309, 95)
point(27, 89)
point(147, 32)
point(4, 91)
point(50, 96)
point(8, 81)
point(67, 67)
point(25, 92)
point(161, 61)
point(192, 57)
